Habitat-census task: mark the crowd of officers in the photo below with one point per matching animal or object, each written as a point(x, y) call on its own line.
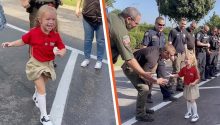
point(155, 51)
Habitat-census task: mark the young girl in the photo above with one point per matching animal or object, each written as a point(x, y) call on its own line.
point(191, 77)
point(42, 39)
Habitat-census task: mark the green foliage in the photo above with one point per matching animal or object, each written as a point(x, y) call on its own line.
point(214, 21)
point(190, 9)
point(109, 3)
point(70, 2)
point(116, 11)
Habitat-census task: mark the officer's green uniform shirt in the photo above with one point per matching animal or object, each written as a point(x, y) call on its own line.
point(120, 40)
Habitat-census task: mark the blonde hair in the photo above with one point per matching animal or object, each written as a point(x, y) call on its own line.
point(170, 48)
point(45, 9)
point(193, 60)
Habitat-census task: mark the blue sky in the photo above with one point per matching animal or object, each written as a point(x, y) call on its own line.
point(149, 10)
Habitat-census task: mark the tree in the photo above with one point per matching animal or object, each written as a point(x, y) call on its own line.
point(109, 3)
point(190, 9)
point(214, 21)
point(116, 11)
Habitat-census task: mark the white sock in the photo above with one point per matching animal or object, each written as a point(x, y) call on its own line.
point(42, 104)
point(189, 107)
point(194, 108)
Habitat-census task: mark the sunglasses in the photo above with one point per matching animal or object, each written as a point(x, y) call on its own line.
point(160, 24)
point(134, 21)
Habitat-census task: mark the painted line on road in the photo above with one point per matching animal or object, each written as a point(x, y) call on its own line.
point(59, 102)
point(162, 104)
point(215, 87)
point(68, 47)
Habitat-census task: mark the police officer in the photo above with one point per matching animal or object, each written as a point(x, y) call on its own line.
point(190, 37)
point(212, 55)
point(202, 45)
point(119, 25)
point(148, 59)
point(156, 37)
point(177, 37)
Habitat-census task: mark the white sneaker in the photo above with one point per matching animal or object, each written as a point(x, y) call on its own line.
point(85, 63)
point(188, 115)
point(98, 65)
point(45, 120)
point(34, 98)
point(195, 118)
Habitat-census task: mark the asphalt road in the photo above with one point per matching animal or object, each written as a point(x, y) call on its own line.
point(79, 96)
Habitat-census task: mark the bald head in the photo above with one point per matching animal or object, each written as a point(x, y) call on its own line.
point(206, 28)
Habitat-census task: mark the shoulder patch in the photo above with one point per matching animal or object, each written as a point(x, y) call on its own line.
point(126, 40)
point(146, 33)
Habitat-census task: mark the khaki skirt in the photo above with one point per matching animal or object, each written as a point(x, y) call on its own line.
point(35, 68)
point(191, 92)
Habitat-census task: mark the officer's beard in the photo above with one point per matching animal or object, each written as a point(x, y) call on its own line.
point(129, 26)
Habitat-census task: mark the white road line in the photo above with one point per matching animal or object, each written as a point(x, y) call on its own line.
point(162, 104)
point(214, 87)
point(59, 102)
point(68, 47)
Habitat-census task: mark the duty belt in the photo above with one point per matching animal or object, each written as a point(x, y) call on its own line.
point(201, 50)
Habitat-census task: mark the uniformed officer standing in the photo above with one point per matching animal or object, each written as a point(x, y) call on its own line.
point(190, 37)
point(119, 24)
point(156, 37)
point(202, 45)
point(212, 55)
point(177, 37)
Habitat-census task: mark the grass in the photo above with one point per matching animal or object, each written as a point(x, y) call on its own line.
point(70, 2)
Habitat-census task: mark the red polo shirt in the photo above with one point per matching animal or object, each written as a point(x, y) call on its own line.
point(189, 75)
point(42, 44)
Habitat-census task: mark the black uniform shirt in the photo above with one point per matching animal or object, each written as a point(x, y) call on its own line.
point(178, 39)
point(154, 38)
point(214, 43)
point(202, 37)
point(190, 39)
point(148, 56)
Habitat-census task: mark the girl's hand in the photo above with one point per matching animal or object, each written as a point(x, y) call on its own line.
point(170, 75)
point(60, 53)
point(192, 84)
point(7, 44)
point(162, 81)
